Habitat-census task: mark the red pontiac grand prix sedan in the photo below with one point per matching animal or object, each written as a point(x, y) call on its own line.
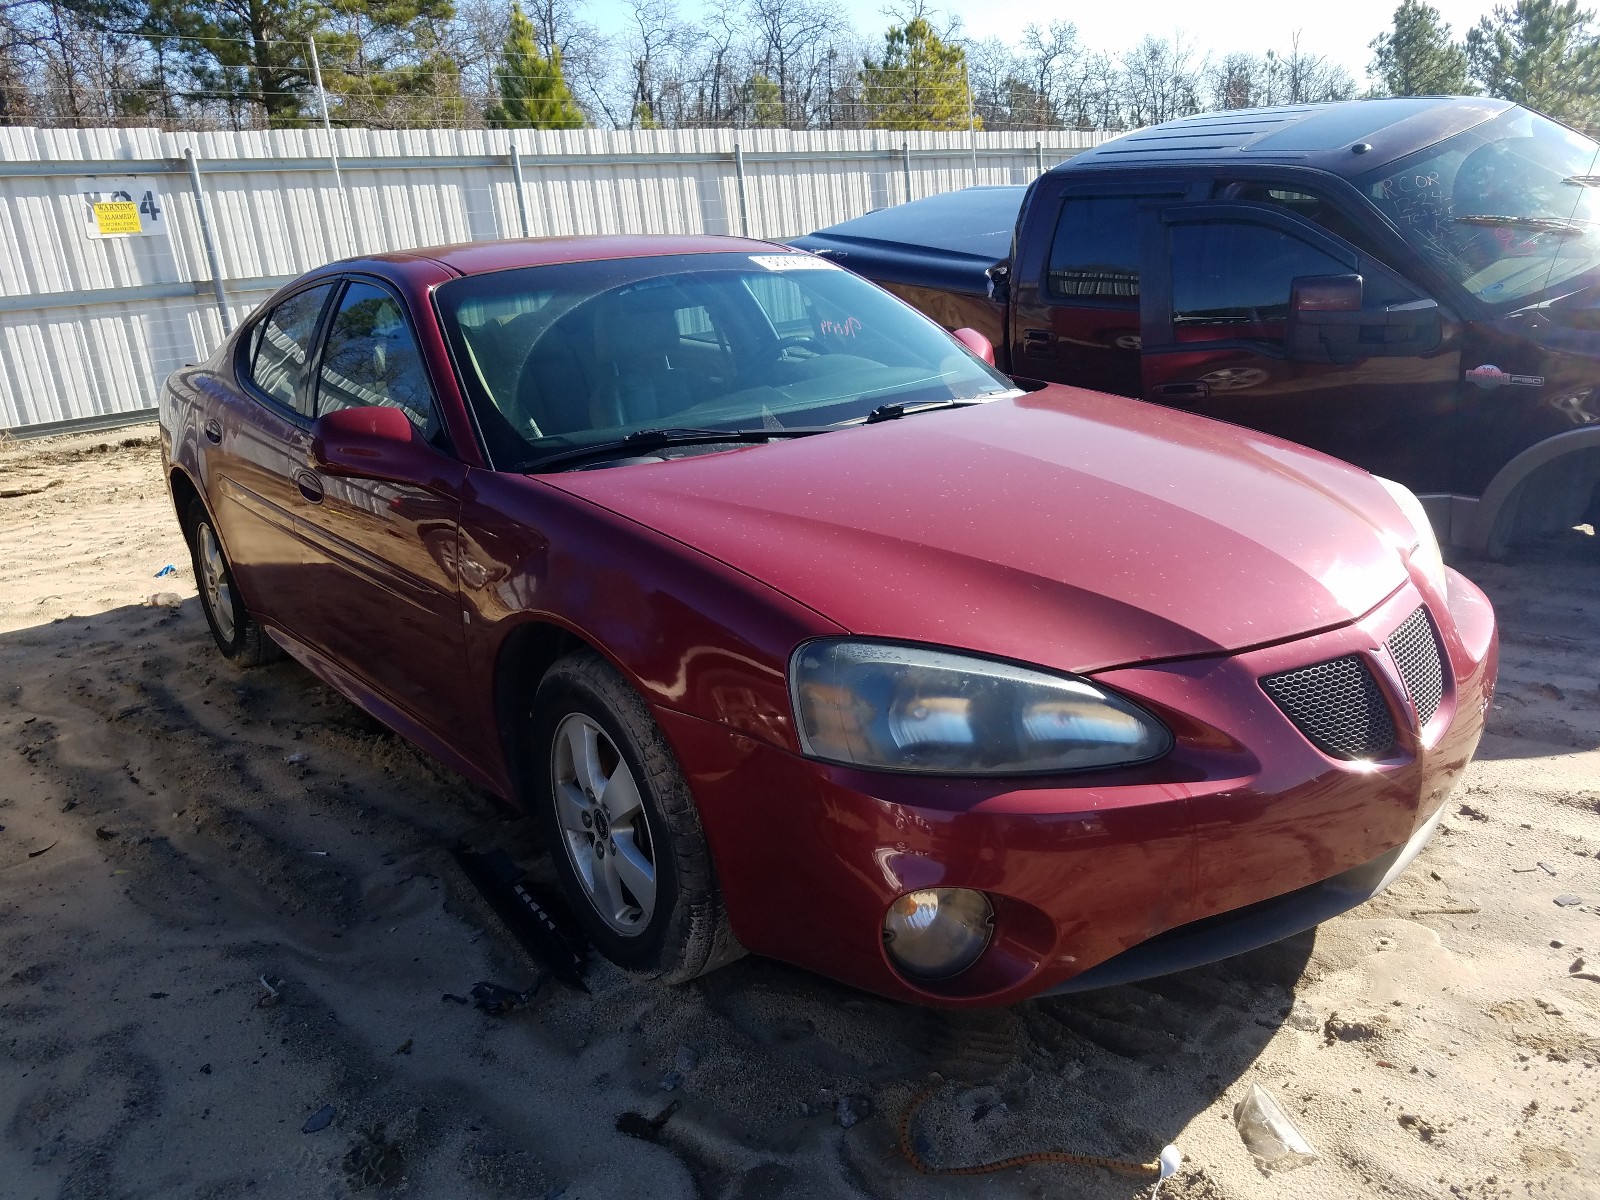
point(803, 631)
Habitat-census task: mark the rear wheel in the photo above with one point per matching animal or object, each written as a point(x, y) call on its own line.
point(240, 638)
point(622, 826)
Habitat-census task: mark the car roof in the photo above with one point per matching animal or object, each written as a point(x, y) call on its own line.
point(1318, 135)
point(476, 258)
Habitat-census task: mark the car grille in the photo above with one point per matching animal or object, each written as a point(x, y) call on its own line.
point(1415, 649)
point(1337, 705)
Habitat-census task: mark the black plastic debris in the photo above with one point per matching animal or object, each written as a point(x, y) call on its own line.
point(319, 1120)
point(497, 1001)
point(534, 918)
point(455, 999)
point(646, 1129)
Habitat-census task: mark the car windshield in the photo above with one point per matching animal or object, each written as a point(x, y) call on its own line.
point(556, 358)
point(1509, 209)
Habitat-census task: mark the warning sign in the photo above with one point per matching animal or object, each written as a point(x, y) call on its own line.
point(116, 216)
point(130, 206)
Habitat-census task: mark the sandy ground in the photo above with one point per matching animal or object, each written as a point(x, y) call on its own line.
point(175, 830)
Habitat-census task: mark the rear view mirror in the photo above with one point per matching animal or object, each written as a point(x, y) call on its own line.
point(1328, 324)
point(976, 342)
point(373, 442)
point(1326, 293)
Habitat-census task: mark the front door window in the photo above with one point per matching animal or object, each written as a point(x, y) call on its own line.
point(1232, 280)
point(371, 358)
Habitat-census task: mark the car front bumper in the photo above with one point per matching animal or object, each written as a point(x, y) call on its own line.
point(1243, 834)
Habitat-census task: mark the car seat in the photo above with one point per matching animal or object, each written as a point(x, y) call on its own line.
point(636, 338)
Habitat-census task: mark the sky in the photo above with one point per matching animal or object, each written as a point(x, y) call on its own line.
point(1342, 29)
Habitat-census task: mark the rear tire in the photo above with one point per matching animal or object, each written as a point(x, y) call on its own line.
point(604, 779)
point(238, 635)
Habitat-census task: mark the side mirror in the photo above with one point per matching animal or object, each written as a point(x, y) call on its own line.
point(1326, 293)
point(369, 443)
point(976, 342)
point(1327, 323)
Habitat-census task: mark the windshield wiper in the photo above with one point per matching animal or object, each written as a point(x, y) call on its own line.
point(1549, 224)
point(642, 440)
point(888, 412)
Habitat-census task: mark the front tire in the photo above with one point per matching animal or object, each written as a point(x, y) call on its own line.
point(622, 827)
point(238, 635)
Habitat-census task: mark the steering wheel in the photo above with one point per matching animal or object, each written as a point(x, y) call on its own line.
point(795, 341)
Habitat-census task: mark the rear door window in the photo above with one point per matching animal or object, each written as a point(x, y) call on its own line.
point(1095, 253)
point(281, 348)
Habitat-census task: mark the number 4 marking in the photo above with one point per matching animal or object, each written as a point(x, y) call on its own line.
point(149, 206)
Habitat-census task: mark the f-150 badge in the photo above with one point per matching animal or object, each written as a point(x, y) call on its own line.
point(1489, 376)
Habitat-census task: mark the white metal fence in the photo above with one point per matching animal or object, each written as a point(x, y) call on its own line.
point(93, 315)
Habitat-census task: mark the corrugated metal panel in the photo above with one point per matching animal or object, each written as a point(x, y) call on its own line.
point(74, 343)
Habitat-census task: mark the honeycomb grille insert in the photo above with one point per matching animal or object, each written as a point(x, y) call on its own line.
point(1415, 649)
point(1337, 705)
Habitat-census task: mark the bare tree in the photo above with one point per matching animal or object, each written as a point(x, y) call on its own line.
point(1052, 58)
point(1160, 80)
point(790, 44)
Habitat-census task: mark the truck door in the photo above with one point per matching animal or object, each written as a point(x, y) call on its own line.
point(1075, 293)
point(1254, 315)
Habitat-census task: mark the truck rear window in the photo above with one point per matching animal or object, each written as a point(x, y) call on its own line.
point(1095, 254)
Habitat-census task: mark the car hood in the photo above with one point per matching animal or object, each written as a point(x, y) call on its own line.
point(1061, 527)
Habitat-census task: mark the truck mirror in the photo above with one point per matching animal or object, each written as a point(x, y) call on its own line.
point(1326, 293)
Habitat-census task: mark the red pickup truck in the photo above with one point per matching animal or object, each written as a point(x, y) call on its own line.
point(1409, 284)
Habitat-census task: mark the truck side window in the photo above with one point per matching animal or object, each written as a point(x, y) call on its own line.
point(1095, 254)
point(1302, 204)
point(1232, 280)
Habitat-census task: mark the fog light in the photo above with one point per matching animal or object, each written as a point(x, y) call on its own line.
point(938, 932)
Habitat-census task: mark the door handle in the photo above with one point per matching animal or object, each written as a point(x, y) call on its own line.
point(214, 431)
point(1192, 390)
point(310, 486)
point(1037, 341)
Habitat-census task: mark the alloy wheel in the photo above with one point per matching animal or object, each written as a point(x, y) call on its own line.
point(214, 583)
point(603, 826)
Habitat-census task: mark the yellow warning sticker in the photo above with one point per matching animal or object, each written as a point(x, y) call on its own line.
point(116, 216)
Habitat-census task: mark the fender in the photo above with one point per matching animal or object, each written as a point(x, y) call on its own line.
point(1486, 531)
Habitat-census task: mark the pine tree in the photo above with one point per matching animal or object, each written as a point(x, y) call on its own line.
point(1540, 53)
point(533, 92)
point(919, 83)
point(763, 102)
point(1418, 57)
point(250, 52)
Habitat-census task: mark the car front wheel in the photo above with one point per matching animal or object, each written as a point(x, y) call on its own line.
point(622, 826)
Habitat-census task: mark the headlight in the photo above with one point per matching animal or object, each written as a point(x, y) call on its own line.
point(914, 708)
point(1425, 554)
